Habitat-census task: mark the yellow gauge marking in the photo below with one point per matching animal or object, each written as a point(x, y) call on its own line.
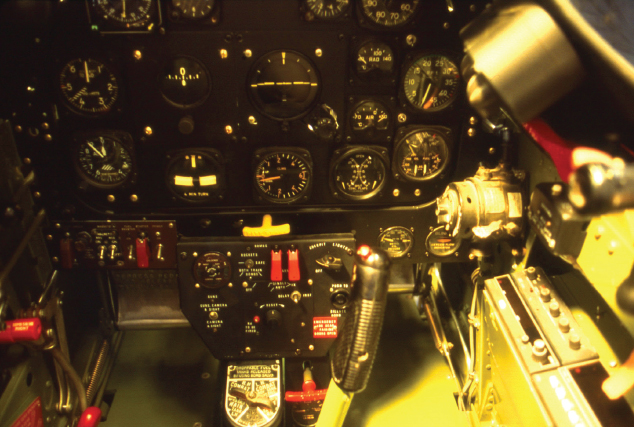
point(207, 180)
point(184, 181)
point(283, 58)
point(193, 159)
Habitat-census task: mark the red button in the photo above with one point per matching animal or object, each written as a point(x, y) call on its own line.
point(142, 253)
point(276, 266)
point(293, 265)
point(90, 418)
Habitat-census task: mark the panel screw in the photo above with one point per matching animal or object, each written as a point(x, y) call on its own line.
point(492, 150)
point(110, 198)
point(248, 53)
point(402, 118)
point(310, 282)
point(471, 132)
point(473, 120)
point(45, 126)
point(245, 284)
point(148, 130)
point(248, 349)
point(318, 53)
point(18, 128)
point(411, 40)
point(252, 120)
point(49, 237)
point(48, 138)
point(137, 55)
point(55, 259)
point(223, 54)
point(445, 25)
point(228, 129)
point(134, 197)
point(417, 192)
point(197, 285)
point(213, 315)
point(396, 192)
point(311, 347)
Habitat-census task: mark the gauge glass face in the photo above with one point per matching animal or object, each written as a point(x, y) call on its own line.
point(124, 11)
point(184, 82)
point(359, 174)
point(327, 9)
point(212, 270)
point(253, 395)
point(283, 85)
point(370, 115)
point(194, 176)
point(421, 155)
point(89, 86)
point(431, 83)
point(396, 241)
point(389, 13)
point(282, 177)
point(193, 9)
point(103, 161)
point(375, 57)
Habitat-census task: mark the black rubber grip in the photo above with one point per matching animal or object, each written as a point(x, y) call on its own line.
point(356, 347)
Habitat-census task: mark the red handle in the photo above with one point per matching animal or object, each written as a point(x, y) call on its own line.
point(21, 330)
point(90, 418)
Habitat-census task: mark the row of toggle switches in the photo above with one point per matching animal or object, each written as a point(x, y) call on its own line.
point(277, 274)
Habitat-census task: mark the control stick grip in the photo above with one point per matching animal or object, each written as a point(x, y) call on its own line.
point(359, 338)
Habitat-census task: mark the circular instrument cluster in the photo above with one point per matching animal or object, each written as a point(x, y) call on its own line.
point(431, 83)
point(359, 173)
point(421, 154)
point(185, 82)
point(283, 176)
point(212, 270)
point(195, 176)
point(103, 161)
point(389, 13)
point(88, 86)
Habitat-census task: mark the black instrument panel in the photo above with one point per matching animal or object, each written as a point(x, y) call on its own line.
point(215, 87)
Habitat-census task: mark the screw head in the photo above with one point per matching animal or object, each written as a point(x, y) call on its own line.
point(224, 54)
point(396, 192)
point(471, 132)
point(228, 129)
point(148, 130)
point(134, 197)
point(252, 120)
point(410, 40)
point(318, 53)
point(110, 198)
point(138, 55)
point(402, 118)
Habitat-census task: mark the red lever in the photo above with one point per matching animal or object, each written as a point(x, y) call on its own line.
point(21, 330)
point(90, 418)
point(308, 393)
point(142, 253)
point(293, 265)
point(276, 266)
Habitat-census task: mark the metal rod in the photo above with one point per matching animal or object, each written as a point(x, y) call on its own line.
point(72, 376)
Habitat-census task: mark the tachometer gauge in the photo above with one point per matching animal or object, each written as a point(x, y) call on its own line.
point(88, 86)
point(327, 9)
point(212, 270)
point(283, 176)
point(359, 173)
point(196, 175)
point(370, 115)
point(103, 161)
point(283, 84)
point(396, 241)
point(421, 154)
point(193, 9)
point(124, 11)
point(389, 13)
point(431, 83)
point(375, 56)
point(184, 82)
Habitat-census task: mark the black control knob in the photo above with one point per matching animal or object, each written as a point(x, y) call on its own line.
point(273, 318)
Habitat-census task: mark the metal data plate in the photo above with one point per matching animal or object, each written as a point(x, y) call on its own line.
point(253, 394)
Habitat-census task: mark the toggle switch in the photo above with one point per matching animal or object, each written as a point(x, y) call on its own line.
point(276, 266)
point(142, 253)
point(293, 265)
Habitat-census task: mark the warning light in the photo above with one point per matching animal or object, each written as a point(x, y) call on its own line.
point(256, 319)
point(364, 251)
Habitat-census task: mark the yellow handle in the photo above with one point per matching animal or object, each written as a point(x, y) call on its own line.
point(267, 229)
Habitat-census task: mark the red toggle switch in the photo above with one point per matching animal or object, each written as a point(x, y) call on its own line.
point(293, 265)
point(66, 254)
point(90, 418)
point(21, 330)
point(276, 266)
point(142, 253)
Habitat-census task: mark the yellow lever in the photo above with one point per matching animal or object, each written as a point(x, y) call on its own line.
point(267, 229)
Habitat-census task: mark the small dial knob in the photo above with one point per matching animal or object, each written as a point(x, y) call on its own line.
point(273, 319)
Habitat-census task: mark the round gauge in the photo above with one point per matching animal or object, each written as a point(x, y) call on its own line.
point(193, 9)
point(327, 9)
point(103, 161)
point(375, 57)
point(440, 242)
point(185, 82)
point(89, 86)
point(359, 173)
point(389, 13)
point(421, 155)
point(124, 11)
point(195, 176)
point(253, 402)
point(370, 115)
point(212, 270)
point(396, 241)
point(431, 83)
point(283, 84)
point(283, 177)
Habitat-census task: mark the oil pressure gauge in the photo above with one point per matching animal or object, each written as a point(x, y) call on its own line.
point(396, 241)
point(421, 154)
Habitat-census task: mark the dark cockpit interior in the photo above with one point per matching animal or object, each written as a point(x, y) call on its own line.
point(246, 213)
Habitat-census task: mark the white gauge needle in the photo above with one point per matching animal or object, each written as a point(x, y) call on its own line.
point(78, 94)
point(96, 151)
point(422, 101)
point(86, 70)
point(103, 148)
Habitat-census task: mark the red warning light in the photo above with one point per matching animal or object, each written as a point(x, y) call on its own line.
point(364, 251)
point(256, 319)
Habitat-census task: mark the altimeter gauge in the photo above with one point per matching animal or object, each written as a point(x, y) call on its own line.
point(103, 161)
point(89, 86)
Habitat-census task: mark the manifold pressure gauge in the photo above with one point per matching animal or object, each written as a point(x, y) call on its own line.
point(396, 241)
point(89, 86)
point(283, 175)
point(431, 83)
point(103, 160)
point(359, 173)
point(421, 154)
